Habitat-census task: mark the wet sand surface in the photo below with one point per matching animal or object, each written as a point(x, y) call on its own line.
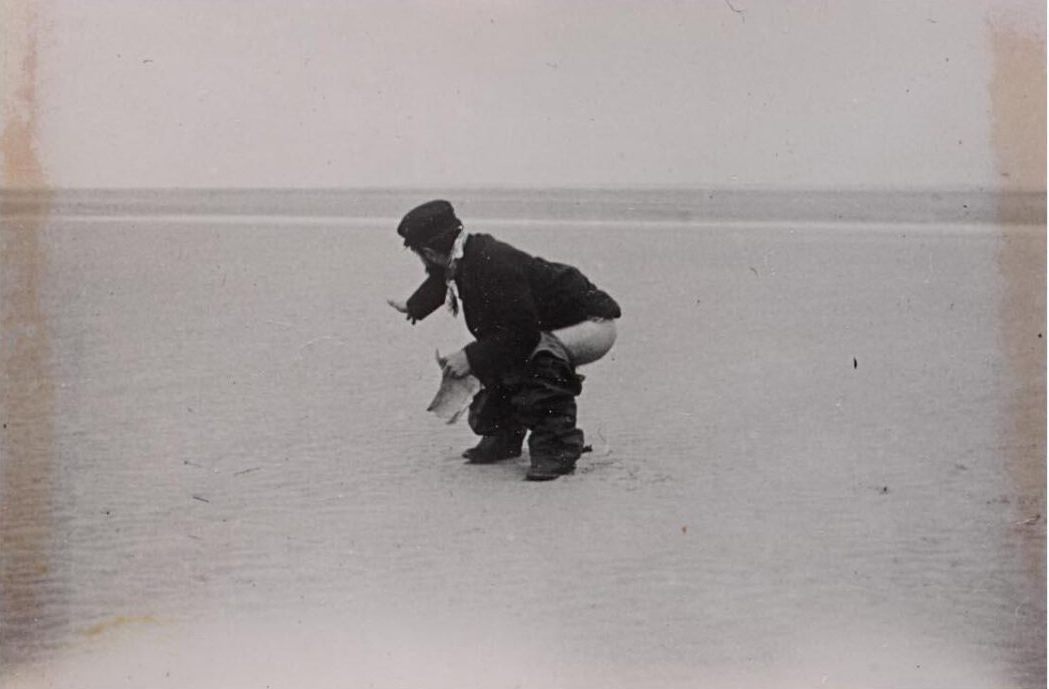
point(806, 468)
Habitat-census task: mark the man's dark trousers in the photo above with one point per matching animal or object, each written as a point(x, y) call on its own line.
point(541, 399)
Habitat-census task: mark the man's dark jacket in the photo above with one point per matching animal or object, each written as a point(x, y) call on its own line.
point(508, 297)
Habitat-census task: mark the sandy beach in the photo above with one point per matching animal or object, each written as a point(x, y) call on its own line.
point(818, 462)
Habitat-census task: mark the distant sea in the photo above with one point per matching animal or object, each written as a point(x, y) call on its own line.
point(688, 206)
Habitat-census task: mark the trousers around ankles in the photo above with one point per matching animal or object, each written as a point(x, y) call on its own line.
point(542, 400)
point(546, 406)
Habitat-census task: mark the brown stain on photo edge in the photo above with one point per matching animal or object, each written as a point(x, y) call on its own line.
point(27, 590)
point(1018, 97)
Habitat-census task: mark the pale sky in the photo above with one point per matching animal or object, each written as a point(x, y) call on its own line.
point(846, 93)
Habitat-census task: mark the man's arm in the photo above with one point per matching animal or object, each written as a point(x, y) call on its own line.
point(430, 295)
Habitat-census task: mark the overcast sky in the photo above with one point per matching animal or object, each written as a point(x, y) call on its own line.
point(841, 93)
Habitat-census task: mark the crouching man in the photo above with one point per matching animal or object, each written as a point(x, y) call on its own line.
point(535, 321)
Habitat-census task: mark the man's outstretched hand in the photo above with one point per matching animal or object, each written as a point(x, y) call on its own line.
point(400, 307)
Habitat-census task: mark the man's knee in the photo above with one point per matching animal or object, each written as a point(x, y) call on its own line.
point(491, 411)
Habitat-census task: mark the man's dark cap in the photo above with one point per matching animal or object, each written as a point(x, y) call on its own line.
point(427, 221)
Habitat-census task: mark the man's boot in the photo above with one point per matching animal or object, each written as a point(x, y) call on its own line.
point(549, 468)
point(496, 447)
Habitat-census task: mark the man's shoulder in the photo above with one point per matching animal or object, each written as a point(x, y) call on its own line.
point(488, 248)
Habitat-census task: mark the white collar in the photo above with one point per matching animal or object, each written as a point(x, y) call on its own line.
point(458, 248)
point(452, 298)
